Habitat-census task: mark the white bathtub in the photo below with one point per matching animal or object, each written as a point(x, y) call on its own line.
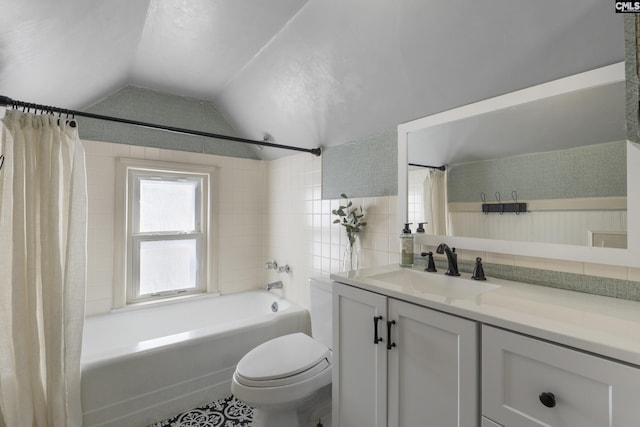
point(142, 365)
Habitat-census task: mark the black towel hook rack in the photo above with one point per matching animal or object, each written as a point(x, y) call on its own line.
point(499, 207)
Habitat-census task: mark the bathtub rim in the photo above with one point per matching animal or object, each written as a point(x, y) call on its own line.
point(146, 347)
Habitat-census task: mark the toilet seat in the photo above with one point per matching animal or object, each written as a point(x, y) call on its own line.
point(283, 361)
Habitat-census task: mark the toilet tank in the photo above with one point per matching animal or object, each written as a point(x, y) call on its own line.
point(321, 313)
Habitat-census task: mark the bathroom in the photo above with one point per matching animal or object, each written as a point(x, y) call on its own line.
point(275, 205)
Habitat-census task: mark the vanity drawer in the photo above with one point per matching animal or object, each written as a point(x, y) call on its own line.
point(531, 383)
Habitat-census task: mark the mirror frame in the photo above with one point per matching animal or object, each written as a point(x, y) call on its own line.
point(629, 257)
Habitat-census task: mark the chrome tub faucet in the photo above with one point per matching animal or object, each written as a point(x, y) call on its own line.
point(274, 285)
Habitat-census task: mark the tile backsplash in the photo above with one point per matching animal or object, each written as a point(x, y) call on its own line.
point(300, 230)
point(613, 287)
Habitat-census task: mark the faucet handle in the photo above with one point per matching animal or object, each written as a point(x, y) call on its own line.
point(478, 270)
point(284, 269)
point(271, 265)
point(431, 265)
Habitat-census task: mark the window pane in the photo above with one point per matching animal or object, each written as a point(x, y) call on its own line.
point(167, 265)
point(167, 205)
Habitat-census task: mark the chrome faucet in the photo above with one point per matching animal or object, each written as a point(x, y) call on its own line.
point(452, 259)
point(274, 285)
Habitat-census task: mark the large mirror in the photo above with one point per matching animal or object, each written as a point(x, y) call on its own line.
point(538, 172)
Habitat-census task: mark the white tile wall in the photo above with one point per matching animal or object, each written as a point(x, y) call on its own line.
point(241, 217)
point(300, 232)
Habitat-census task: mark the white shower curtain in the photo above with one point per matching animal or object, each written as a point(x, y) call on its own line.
point(435, 202)
point(43, 222)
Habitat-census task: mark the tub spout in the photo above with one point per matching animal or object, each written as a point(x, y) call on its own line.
point(274, 285)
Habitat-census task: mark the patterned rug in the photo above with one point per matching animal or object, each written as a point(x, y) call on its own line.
point(227, 412)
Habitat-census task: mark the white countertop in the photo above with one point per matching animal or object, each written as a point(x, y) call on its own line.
point(601, 325)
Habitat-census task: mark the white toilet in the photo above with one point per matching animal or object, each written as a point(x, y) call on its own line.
point(287, 380)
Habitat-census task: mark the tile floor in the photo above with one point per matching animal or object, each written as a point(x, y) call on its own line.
point(227, 412)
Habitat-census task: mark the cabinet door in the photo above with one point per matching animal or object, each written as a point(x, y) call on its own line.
point(359, 390)
point(531, 383)
point(433, 368)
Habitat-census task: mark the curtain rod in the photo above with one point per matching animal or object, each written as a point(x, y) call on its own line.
point(440, 168)
point(8, 102)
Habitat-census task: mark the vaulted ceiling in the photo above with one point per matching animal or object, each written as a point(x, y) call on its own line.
point(308, 72)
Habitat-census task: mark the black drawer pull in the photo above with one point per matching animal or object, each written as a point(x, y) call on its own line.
point(390, 344)
point(548, 399)
point(376, 338)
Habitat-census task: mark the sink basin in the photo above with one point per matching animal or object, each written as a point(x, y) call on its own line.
point(435, 283)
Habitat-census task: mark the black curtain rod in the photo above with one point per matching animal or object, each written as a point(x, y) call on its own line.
point(8, 102)
point(440, 168)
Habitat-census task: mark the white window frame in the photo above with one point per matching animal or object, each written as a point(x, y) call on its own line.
point(129, 172)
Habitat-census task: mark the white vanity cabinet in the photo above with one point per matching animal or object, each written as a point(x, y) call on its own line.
point(527, 382)
point(422, 369)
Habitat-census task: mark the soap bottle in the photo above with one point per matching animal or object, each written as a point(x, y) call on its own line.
point(406, 246)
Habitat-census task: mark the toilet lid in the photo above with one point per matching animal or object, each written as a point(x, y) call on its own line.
point(283, 357)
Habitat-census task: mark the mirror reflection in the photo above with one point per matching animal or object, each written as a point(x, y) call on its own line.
point(564, 156)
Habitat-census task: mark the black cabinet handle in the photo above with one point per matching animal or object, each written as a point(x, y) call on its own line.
point(376, 338)
point(390, 344)
point(547, 399)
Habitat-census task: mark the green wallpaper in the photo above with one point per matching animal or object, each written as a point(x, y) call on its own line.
point(631, 36)
point(148, 106)
point(592, 171)
point(362, 168)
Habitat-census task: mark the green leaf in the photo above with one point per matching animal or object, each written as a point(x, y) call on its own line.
point(336, 221)
point(344, 196)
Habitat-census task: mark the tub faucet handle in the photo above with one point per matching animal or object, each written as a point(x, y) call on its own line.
point(271, 265)
point(284, 269)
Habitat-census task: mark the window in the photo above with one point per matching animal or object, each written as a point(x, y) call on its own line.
point(166, 229)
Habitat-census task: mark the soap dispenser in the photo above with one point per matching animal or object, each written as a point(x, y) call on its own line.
point(406, 246)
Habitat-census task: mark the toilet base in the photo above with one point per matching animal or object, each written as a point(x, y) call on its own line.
point(301, 414)
point(271, 418)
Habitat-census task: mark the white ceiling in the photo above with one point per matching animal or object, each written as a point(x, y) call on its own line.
point(314, 72)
